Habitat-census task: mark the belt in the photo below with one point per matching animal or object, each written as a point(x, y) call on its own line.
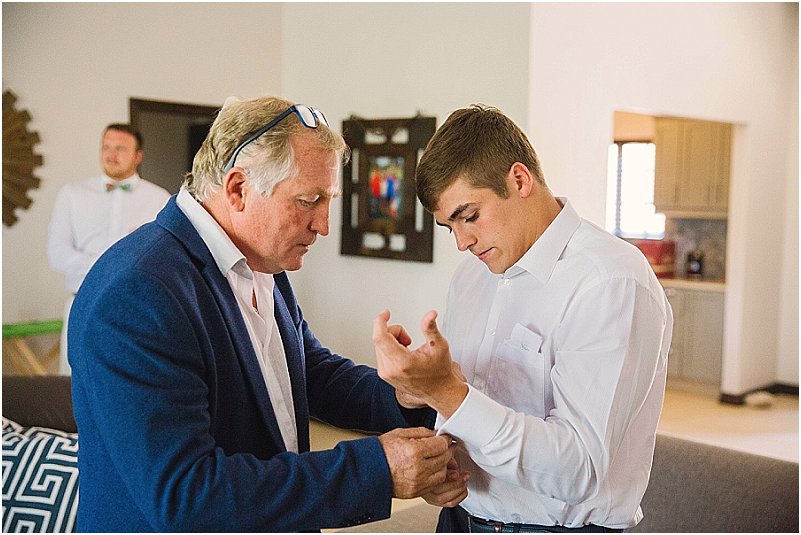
point(480, 525)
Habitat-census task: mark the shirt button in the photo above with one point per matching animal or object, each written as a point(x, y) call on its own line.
point(492, 332)
point(507, 282)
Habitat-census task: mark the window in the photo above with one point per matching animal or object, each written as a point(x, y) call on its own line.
point(631, 192)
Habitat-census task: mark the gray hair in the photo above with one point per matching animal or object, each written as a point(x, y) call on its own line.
point(267, 160)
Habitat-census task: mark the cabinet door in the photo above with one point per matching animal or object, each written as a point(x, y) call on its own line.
point(700, 155)
point(720, 186)
point(691, 173)
point(668, 164)
point(703, 345)
point(676, 299)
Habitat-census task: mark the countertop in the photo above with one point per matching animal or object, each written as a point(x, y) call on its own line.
point(702, 285)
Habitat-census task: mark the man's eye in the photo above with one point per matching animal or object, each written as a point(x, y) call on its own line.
point(308, 203)
point(471, 218)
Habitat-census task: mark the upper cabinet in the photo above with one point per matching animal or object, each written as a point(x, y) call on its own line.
point(693, 159)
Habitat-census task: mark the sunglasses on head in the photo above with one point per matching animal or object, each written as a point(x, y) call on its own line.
point(310, 117)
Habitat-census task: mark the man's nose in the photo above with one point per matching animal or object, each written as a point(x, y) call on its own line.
point(321, 220)
point(464, 240)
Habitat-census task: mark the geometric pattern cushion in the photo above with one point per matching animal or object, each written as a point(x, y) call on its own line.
point(40, 479)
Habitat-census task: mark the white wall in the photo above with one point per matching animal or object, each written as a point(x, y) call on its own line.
point(393, 60)
point(728, 62)
point(560, 70)
point(74, 66)
point(788, 313)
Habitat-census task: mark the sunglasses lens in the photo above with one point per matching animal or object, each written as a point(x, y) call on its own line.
point(307, 115)
point(320, 116)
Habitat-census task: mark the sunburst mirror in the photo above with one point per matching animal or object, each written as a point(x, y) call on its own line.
point(19, 159)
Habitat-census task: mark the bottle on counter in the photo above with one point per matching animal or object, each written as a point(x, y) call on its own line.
point(695, 264)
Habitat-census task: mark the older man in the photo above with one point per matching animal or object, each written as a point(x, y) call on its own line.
point(195, 373)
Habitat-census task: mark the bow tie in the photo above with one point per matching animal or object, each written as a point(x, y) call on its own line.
point(123, 187)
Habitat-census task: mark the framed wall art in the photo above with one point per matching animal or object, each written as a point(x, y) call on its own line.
point(381, 216)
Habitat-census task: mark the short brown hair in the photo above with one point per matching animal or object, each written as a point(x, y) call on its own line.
point(479, 144)
point(127, 128)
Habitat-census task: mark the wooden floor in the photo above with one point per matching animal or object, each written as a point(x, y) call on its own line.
point(771, 431)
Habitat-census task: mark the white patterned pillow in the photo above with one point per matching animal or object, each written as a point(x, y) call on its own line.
point(40, 479)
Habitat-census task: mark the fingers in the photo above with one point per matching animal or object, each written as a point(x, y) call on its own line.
point(417, 460)
point(380, 325)
point(431, 446)
point(429, 326)
point(451, 492)
point(380, 330)
point(437, 469)
point(400, 335)
point(413, 432)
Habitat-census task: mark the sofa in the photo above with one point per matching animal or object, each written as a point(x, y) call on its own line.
point(694, 487)
point(40, 455)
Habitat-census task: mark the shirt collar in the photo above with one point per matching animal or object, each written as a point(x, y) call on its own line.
point(222, 249)
point(540, 260)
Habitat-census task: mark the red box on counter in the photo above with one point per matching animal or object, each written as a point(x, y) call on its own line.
point(661, 254)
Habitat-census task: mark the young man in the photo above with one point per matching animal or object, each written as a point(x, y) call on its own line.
point(561, 330)
point(195, 374)
point(90, 215)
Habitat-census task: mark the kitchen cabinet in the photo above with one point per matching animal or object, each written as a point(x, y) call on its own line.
point(691, 174)
point(696, 350)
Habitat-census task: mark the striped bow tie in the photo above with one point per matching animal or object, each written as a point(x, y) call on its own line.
point(123, 187)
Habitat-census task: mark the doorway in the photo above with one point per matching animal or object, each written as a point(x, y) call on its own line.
point(172, 134)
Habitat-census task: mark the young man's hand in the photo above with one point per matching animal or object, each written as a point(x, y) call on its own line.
point(426, 373)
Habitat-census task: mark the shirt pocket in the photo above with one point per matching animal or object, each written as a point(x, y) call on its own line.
point(517, 373)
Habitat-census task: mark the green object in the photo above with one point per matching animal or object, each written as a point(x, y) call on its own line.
point(30, 328)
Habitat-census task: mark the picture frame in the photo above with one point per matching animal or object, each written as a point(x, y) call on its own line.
point(381, 216)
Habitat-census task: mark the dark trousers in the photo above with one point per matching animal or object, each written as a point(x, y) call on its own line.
point(453, 520)
point(457, 520)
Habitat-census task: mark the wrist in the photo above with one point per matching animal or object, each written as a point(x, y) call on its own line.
point(448, 396)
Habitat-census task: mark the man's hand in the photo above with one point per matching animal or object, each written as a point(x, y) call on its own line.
point(452, 491)
point(409, 401)
point(418, 460)
point(427, 373)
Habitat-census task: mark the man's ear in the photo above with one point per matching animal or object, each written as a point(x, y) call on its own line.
point(235, 184)
point(521, 179)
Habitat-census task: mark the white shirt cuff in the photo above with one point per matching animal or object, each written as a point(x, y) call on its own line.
point(476, 422)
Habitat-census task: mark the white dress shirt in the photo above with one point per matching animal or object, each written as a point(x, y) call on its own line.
point(566, 357)
point(248, 287)
point(87, 220)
